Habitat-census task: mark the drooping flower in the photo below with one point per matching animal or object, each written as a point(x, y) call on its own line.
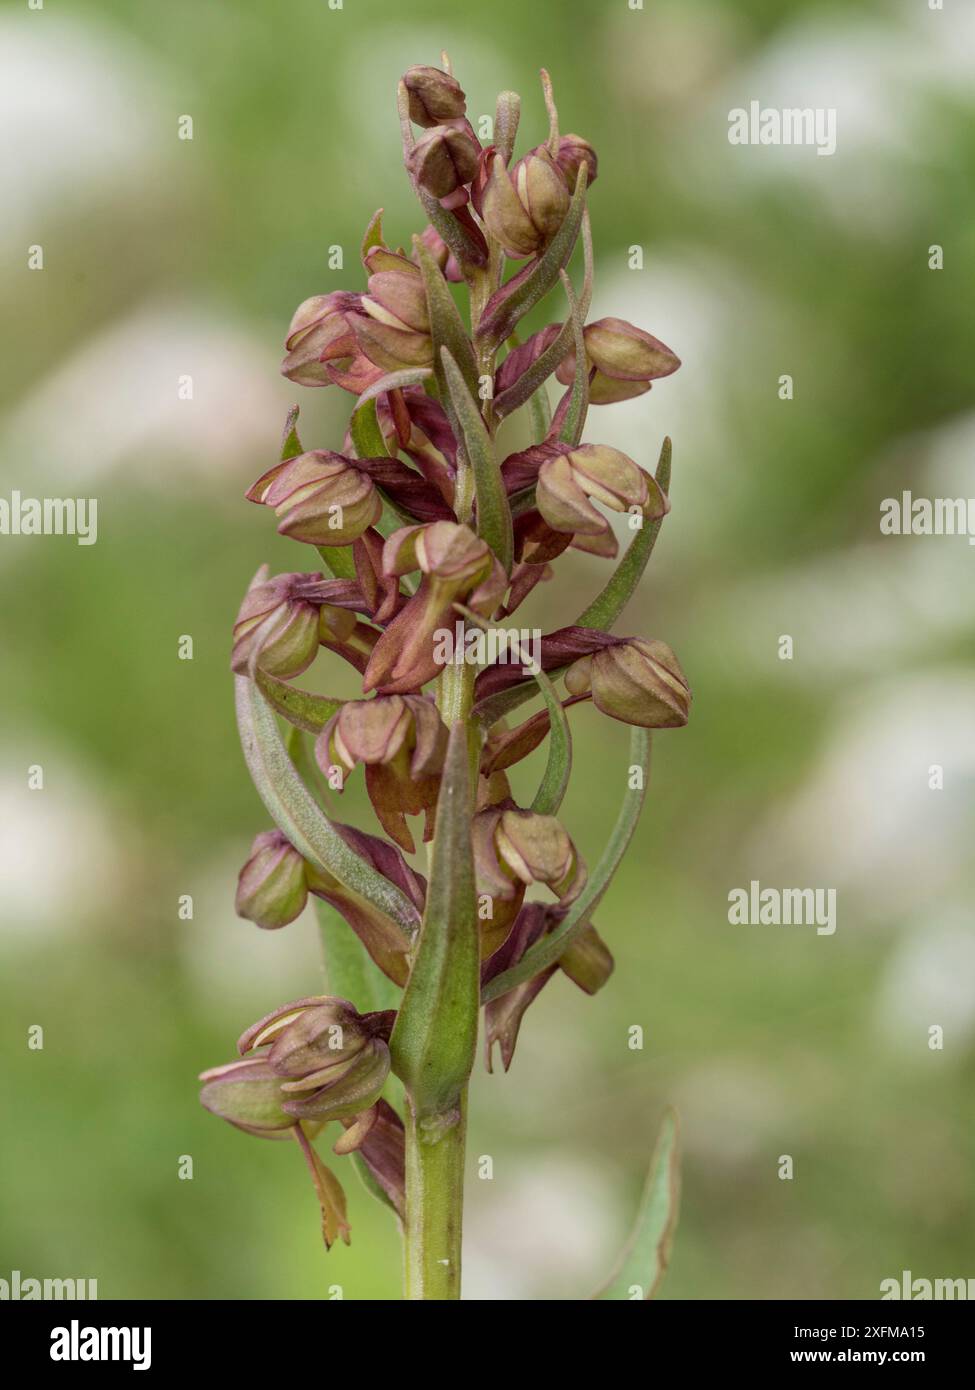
point(625, 358)
point(512, 850)
point(454, 564)
point(401, 739)
point(634, 681)
point(523, 209)
point(321, 497)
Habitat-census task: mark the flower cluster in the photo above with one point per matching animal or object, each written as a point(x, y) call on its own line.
point(417, 523)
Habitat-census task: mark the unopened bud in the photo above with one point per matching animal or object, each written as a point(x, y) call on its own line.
point(523, 211)
point(248, 1095)
point(277, 627)
point(321, 498)
point(434, 96)
point(443, 160)
point(634, 681)
point(626, 360)
point(402, 741)
point(272, 888)
point(572, 153)
point(570, 482)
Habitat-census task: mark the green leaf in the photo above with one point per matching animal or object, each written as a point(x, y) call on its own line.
point(298, 816)
point(498, 323)
point(367, 437)
point(373, 236)
point(290, 443)
point(350, 971)
point(552, 788)
point(643, 1262)
point(575, 417)
point(392, 381)
point(606, 608)
point(300, 707)
point(493, 511)
point(338, 560)
point(446, 325)
point(435, 1035)
point(547, 951)
point(539, 414)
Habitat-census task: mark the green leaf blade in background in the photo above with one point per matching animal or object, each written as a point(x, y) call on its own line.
point(646, 1255)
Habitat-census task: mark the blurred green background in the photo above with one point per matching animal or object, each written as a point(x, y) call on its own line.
point(165, 258)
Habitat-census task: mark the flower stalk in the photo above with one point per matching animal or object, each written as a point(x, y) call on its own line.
point(423, 534)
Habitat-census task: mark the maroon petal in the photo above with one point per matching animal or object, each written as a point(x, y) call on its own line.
point(558, 649)
point(407, 489)
point(517, 362)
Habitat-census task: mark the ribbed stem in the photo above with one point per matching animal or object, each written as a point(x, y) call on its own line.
point(434, 1207)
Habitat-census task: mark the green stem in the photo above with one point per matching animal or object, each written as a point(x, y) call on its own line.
point(434, 1208)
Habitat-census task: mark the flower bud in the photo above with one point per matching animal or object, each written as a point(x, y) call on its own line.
point(317, 334)
point(248, 1095)
point(537, 849)
point(434, 96)
point(634, 681)
point(329, 1060)
point(524, 210)
point(386, 347)
point(402, 741)
point(455, 564)
point(572, 153)
point(512, 850)
point(567, 482)
point(396, 295)
point(626, 360)
point(442, 254)
point(588, 961)
point(321, 498)
point(278, 626)
point(443, 160)
point(272, 888)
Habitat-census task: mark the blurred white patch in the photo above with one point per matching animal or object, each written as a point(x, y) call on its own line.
point(542, 1228)
point(928, 981)
point(82, 109)
point(239, 970)
point(868, 821)
point(121, 399)
point(60, 856)
point(881, 77)
point(668, 59)
point(851, 613)
point(730, 1112)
